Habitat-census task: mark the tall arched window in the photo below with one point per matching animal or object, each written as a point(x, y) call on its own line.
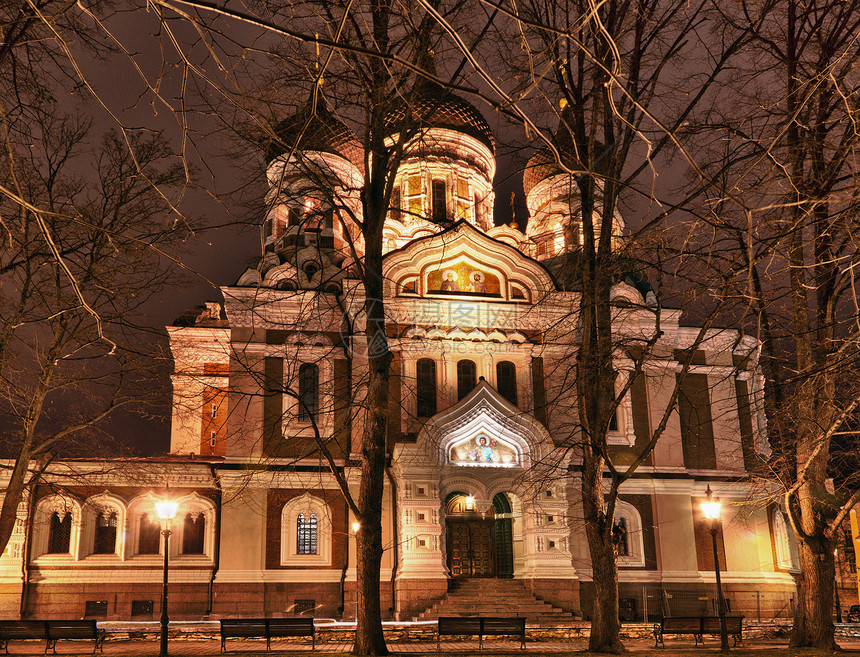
point(60, 533)
point(148, 537)
point(193, 533)
point(506, 380)
point(105, 536)
point(440, 207)
point(425, 373)
point(627, 527)
point(306, 534)
point(309, 382)
point(466, 377)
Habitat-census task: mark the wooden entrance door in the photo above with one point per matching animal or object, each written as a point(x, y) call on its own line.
point(471, 548)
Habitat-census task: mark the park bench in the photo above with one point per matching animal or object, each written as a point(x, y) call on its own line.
point(268, 628)
point(481, 626)
point(51, 631)
point(698, 626)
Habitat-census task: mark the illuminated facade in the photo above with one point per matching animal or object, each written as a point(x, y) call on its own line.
point(482, 478)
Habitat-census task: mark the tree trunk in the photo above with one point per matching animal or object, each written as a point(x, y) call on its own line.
point(369, 639)
point(605, 626)
point(813, 614)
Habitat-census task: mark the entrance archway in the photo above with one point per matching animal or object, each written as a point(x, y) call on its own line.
point(477, 545)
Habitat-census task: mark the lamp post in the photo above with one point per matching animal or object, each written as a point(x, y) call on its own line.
point(711, 509)
point(836, 585)
point(355, 527)
point(166, 510)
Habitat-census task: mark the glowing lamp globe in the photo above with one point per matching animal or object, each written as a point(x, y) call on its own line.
point(166, 509)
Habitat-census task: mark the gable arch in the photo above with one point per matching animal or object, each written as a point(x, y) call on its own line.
point(451, 434)
point(467, 251)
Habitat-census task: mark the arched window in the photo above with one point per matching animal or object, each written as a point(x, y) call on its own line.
point(466, 378)
point(306, 534)
point(193, 533)
point(506, 381)
point(148, 536)
point(782, 544)
point(105, 534)
point(60, 533)
point(440, 202)
point(309, 381)
point(628, 532)
point(425, 373)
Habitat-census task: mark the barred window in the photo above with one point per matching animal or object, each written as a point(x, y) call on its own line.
point(148, 538)
point(193, 533)
point(306, 534)
point(105, 538)
point(60, 533)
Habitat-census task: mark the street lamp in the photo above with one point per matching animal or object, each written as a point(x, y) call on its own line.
point(355, 527)
point(166, 510)
point(836, 587)
point(711, 509)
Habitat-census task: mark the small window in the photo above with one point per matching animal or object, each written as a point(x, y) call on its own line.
point(193, 533)
point(440, 208)
point(97, 608)
point(149, 536)
point(306, 534)
point(141, 608)
point(309, 378)
point(60, 534)
point(426, 387)
point(506, 381)
point(214, 410)
point(293, 217)
point(212, 439)
point(466, 378)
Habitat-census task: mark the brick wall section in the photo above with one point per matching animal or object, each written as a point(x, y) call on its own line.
point(275, 501)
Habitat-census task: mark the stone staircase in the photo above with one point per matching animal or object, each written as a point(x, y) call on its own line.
point(495, 597)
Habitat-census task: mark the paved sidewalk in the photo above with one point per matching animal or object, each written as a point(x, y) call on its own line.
point(251, 647)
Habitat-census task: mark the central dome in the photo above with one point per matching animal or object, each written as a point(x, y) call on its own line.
point(433, 106)
point(315, 129)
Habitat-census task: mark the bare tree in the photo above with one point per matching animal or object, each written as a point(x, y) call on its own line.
point(610, 64)
point(787, 206)
point(77, 265)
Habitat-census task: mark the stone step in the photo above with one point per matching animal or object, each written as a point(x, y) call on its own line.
point(494, 597)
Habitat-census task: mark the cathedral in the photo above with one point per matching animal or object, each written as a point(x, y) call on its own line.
point(481, 484)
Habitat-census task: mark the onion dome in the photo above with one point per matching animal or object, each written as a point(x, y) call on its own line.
point(318, 130)
point(543, 164)
point(433, 106)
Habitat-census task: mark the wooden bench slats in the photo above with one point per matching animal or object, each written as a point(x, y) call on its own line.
point(267, 628)
point(51, 631)
point(698, 626)
point(481, 626)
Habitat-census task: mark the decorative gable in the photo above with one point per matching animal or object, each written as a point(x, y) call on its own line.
point(463, 262)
